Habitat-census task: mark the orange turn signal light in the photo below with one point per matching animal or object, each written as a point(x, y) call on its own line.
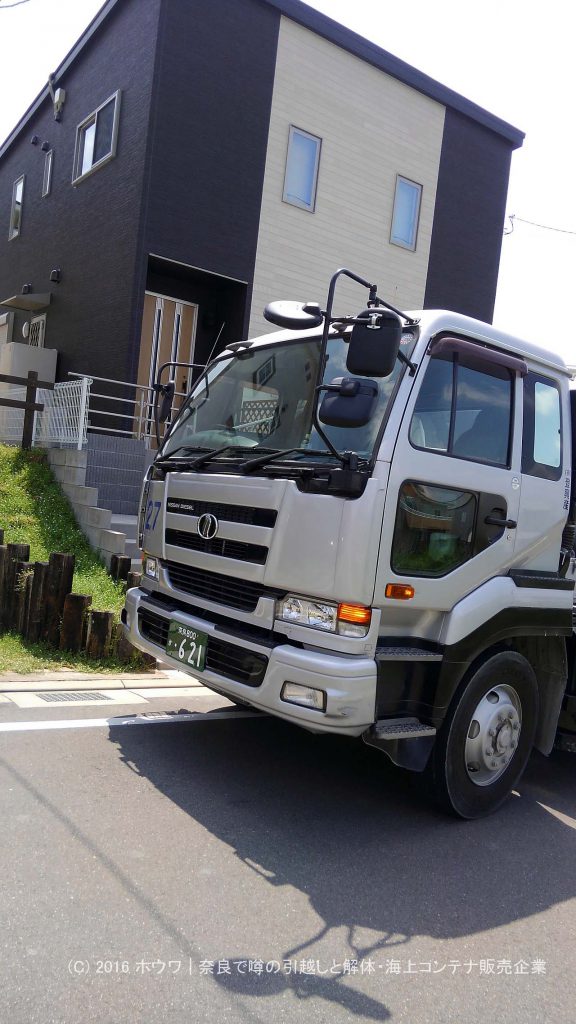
point(399, 591)
point(357, 613)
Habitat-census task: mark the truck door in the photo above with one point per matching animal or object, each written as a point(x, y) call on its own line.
point(454, 489)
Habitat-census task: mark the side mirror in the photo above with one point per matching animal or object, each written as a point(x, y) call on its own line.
point(374, 343)
point(348, 402)
point(296, 316)
point(165, 393)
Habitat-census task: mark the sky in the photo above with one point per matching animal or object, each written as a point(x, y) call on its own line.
point(515, 58)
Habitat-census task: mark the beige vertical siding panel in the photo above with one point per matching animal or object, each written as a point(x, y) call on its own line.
point(372, 128)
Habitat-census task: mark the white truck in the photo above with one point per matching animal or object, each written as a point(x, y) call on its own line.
point(363, 525)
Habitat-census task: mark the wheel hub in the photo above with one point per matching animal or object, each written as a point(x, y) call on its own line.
point(493, 734)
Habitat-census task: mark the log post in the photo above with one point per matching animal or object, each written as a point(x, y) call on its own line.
point(72, 629)
point(120, 566)
point(23, 573)
point(133, 580)
point(60, 577)
point(1, 536)
point(15, 553)
point(100, 631)
point(37, 611)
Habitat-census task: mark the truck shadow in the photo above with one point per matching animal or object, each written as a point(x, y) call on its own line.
point(334, 820)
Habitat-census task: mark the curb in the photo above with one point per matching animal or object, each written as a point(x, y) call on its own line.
point(40, 681)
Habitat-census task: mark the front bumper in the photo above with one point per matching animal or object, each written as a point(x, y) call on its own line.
point(349, 682)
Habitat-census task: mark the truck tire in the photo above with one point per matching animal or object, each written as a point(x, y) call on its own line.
point(486, 738)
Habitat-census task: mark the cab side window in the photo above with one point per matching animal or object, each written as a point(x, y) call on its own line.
point(464, 408)
point(541, 434)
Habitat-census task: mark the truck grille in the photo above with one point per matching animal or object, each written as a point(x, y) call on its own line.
point(224, 658)
point(218, 546)
point(226, 590)
point(228, 513)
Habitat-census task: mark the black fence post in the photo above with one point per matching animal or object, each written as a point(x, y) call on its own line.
point(28, 429)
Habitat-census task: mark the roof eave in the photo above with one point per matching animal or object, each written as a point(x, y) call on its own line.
point(335, 33)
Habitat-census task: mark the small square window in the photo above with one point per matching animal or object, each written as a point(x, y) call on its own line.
point(96, 138)
point(406, 213)
point(47, 179)
point(16, 209)
point(542, 430)
point(301, 169)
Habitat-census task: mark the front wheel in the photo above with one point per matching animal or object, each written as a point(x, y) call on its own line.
point(486, 738)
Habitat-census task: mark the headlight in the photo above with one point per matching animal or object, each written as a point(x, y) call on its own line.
point(307, 612)
point(345, 619)
point(150, 567)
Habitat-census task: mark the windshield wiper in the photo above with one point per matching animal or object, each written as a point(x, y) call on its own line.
point(251, 464)
point(209, 455)
point(163, 459)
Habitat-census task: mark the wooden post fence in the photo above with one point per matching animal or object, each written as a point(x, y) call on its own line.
point(30, 406)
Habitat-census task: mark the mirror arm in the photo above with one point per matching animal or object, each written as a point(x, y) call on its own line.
point(338, 455)
point(377, 301)
point(407, 362)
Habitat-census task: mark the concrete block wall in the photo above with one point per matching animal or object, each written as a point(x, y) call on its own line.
point(69, 468)
point(116, 466)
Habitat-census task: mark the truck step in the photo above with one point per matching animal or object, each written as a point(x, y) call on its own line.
point(406, 654)
point(401, 729)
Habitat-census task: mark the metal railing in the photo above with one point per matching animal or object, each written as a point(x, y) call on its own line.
point(74, 408)
point(129, 417)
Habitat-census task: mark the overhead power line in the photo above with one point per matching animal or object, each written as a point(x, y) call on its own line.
point(545, 227)
point(15, 3)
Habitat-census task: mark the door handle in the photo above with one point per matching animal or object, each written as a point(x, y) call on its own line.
point(504, 524)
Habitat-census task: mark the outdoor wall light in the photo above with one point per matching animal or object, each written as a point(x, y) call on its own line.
point(56, 275)
point(35, 140)
point(45, 147)
point(26, 289)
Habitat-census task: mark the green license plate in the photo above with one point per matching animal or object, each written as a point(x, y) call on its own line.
point(187, 645)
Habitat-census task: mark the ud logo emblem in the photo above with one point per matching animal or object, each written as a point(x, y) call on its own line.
point(208, 526)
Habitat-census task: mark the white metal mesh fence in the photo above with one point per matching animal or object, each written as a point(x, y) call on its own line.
point(63, 423)
point(11, 420)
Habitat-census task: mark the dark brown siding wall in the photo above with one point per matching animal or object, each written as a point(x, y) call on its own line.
point(215, 75)
point(468, 219)
point(89, 230)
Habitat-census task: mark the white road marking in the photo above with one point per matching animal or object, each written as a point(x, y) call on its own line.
point(153, 718)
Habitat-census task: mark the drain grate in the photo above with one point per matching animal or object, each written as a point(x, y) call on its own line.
point(71, 695)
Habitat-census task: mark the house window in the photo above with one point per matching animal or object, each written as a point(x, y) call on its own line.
point(16, 210)
point(406, 213)
point(47, 179)
point(96, 138)
point(301, 169)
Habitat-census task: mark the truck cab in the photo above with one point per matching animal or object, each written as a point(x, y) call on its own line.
point(363, 525)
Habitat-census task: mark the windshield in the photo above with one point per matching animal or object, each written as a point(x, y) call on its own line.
point(263, 399)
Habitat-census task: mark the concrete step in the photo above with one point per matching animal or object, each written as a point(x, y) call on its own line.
point(128, 525)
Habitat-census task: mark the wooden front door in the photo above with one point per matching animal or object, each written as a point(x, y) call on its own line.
point(168, 332)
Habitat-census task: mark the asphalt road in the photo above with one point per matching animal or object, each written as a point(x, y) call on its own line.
point(230, 868)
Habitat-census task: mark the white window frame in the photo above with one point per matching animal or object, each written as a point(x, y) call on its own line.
point(293, 200)
point(37, 330)
point(77, 173)
point(15, 229)
point(395, 237)
point(47, 177)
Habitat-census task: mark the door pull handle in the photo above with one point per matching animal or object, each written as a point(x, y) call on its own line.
point(504, 524)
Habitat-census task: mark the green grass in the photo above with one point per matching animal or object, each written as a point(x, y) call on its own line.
point(34, 511)
point(23, 658)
